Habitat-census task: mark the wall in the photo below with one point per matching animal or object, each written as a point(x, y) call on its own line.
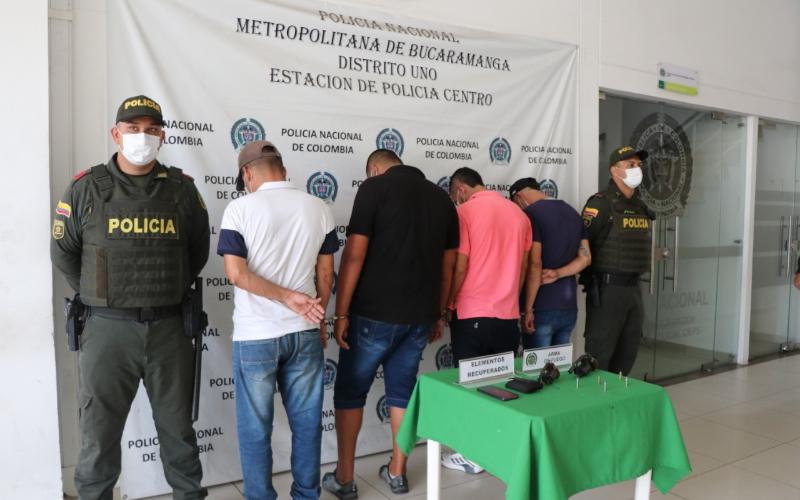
point(29, 464)
point(747, 53)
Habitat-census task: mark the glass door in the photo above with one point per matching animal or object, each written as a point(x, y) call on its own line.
point(693, 181)
point(773, 323)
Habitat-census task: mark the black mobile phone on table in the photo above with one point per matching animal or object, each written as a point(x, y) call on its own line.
point(496, 392)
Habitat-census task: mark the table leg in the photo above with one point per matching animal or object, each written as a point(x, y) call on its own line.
point(435, 469)
point(642, 486)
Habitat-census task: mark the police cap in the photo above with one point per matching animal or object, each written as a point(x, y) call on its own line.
point(624, 153)
point(140, 105)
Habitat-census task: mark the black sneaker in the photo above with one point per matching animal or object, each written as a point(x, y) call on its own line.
point(346, 491)
point(399, 484)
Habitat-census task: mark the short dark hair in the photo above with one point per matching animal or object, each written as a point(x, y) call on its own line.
point(383, 156)
point(466, 175)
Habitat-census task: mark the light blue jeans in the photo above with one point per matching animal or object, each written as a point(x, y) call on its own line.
point(550, 328)
point(295, 362)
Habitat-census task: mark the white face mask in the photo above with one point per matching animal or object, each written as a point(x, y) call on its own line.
point(633, 177)
point(140, 149)
point(460, 198)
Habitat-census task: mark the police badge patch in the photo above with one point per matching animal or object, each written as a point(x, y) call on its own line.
point(324, 186)
point(444, 183)
point(329, 372)
point(244, 131)
point(392, 140)
point(383, 411)
point(58, 229)
point(500, 151)
point(668, 170)
point(549, 188)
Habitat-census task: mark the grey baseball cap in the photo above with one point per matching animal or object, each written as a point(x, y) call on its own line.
point(253, 151)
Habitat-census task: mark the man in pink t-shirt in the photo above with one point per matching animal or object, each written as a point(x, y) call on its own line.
point(491, 261)
point(492, 258)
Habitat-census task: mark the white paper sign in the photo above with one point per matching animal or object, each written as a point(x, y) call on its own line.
point(485, 367)
point(677, 79)
point(535, 359)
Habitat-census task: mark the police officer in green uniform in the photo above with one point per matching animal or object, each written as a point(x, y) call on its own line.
point(619, 225)
point(130, 236)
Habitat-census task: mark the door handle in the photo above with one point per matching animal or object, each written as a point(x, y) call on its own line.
point(652, 279)
point(675, 268)
point(781, 243)
point(789, 244)
point(674, 277)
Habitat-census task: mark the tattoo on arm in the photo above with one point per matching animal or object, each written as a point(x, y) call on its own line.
point(584, 251)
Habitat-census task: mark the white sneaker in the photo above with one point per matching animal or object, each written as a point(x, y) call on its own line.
point(458, 462)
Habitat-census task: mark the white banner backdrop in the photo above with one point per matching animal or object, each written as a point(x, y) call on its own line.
point(328, 85)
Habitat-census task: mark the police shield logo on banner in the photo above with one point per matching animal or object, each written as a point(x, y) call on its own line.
point(500, 151)
point(323, 185)
point(329, 372)
point(549, 188)
point(246, 130)
point(383, 411)
point(392, 140)
point(444, 357)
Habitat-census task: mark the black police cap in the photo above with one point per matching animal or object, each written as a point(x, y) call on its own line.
point(624, 153)
point(140, 105)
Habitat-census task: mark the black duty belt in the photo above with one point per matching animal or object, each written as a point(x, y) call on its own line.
point(620, 279)
point(141, 314)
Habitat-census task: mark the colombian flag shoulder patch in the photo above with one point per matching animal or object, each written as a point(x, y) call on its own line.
point(591, 212)
point(63, 209)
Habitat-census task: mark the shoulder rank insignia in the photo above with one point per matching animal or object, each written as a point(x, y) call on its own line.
point(81, 175)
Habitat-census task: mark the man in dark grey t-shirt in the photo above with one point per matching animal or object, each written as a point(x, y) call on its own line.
point(394, 277)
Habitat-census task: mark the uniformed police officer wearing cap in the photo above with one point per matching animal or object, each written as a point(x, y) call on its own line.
point(619, 226)
point(131, 235)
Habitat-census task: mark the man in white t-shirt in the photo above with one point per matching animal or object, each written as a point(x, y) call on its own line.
point(273, 240)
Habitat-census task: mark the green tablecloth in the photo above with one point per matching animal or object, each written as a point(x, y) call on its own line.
point(559, 441)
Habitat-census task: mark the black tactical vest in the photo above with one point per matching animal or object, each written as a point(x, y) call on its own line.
point(628, 247)
point(135, 244)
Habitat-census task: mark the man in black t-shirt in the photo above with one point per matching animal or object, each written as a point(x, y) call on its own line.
point(394, 277)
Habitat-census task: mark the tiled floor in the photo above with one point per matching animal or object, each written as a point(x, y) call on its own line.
point(741, 429)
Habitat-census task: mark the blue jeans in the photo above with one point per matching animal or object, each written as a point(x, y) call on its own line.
point(295, 362)
point(550, 328)
point(373, 343)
